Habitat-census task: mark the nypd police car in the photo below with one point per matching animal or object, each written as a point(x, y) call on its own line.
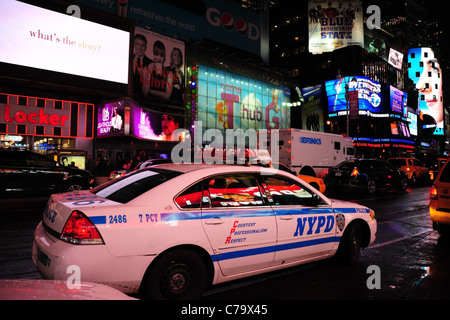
point(169, 231)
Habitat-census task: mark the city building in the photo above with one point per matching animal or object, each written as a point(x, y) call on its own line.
point(315, 53)
point(117, 78)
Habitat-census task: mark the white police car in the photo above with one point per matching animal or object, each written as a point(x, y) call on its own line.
point(169, 231)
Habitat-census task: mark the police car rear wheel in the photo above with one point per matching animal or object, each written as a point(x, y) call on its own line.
point(180, 274)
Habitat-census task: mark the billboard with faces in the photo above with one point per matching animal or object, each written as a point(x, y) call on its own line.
point(334, 24)
point(425, 71)
point(158, 67)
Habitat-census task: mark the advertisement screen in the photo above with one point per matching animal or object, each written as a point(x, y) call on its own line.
point(43, 39)
point(425, 71)
point(110, 119)
point(158, 67)
point(398, 100)
point(369, 94)
point(335, 24)
point(230, 101)
point(155, 126)
point(312, 110)
point(412, 123)
point(395, 58)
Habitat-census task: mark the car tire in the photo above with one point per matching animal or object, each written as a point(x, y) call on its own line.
point(350, 246)
point(314, 185)
point(403, 184)
point(75, 186)
point(371, 186)
point(178, 275)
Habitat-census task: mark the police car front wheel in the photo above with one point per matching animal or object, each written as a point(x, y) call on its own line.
point(350, 246)
point(179, 274)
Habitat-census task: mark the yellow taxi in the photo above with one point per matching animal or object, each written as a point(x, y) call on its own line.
point(312, 181)
point(440, 200)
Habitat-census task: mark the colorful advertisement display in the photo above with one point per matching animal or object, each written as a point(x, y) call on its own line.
point(425, 71)
point(231, 101)
point(26, 115)
point(369, 94)
point(398, 101)
point(158, 67)
point(110, 119)
point(312, 110)
point(43, 39)
point(149, 125)
point(334, 24)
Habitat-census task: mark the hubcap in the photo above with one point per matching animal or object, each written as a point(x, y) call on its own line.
point(177, 282)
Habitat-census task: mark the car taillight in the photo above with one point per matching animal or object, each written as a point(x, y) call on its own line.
point(434, 192)
point(80, 230)
point(354, 172)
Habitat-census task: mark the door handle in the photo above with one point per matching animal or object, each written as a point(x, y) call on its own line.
point(214, 221)
point(287, 217)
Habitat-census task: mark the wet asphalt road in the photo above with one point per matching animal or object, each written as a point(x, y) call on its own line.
point(413, 260)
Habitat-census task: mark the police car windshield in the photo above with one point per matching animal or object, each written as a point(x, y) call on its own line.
point(129, 187)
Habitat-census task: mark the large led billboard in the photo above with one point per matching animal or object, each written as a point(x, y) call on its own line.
point(230, 101)
point(158, 67)
point(150, 125)
point(369, 94)
point(44, 39)
point(424, 70)
point(334, 24)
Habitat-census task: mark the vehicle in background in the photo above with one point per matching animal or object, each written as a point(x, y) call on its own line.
point(26, 173)
point(118, 173)
point(435, 168)
point(312, 153)
point(440, 200)
point(317, 183)
point(412, 167)
point(366, 174)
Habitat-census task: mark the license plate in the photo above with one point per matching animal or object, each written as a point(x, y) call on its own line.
point(43, 258)
point(338, 174)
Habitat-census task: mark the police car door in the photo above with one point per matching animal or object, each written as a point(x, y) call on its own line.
point(240, 226)
point(306, 223)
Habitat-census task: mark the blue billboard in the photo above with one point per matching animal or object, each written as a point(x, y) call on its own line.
point(369, 94)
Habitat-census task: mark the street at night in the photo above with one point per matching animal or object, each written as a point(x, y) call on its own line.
point(413, 259)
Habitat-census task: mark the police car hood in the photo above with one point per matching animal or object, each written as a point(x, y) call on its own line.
point(60, 207)
point(340, 204)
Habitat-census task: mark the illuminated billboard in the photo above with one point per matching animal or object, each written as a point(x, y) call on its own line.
point(231, 101)
point(158, 67)
point(369, 94)
point(26, 115)
point(111, 119)
point(424, 70)
point(39, 38)
point(398, 100)
point(149, 125)
point(334, 24)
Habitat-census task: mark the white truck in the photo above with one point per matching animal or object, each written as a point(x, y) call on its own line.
point(311, 152)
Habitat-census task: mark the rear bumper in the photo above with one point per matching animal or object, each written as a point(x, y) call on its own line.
point(59, 260)
point(439, 215)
